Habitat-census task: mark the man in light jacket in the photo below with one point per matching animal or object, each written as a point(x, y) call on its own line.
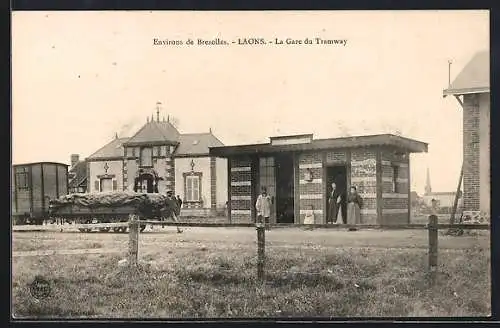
point(263, 207)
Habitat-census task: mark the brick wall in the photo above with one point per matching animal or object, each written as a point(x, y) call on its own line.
point(484, 150)
point(364, 177)
point(471, 152)
point(311, 193)
point(241, 190)
point(394, 204)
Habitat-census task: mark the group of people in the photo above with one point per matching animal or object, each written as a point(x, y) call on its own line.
point(335, 200)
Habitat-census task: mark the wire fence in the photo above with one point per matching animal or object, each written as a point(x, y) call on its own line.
point(263, 243)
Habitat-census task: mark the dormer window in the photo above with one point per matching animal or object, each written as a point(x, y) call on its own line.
point(147, 157)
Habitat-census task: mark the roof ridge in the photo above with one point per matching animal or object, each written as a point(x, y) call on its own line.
point(195, 133)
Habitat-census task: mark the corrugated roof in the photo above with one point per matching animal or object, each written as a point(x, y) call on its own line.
point(112, 149)
point(197, 143)
point(79, 172)
point(154, 131)
point(474, 78)
point(320, 144)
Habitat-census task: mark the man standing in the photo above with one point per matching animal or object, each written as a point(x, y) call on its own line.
point(334, 199)
point(263, 207)
point(172, 208)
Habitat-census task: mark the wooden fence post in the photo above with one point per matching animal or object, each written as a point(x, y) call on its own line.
point(261, 245)
point(133, 240)
point(433, 247)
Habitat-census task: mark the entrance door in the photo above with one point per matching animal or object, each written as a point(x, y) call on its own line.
point(337, 174)
point(284, 188)
point(267, 178)
point(145, 184)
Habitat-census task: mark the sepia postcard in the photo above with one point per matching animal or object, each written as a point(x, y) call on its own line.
point(250, 164)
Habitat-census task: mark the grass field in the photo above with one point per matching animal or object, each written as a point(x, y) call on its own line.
point(210, 272)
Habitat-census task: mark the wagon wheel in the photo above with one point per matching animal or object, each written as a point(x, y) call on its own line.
point(87, 229)
point(104, 229)
point(117, 229)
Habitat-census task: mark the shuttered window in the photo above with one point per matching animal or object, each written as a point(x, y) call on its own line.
point(192, 188)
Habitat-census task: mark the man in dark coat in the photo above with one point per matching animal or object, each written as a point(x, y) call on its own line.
point(179, 201)
point(334, 203)
point(172, 208)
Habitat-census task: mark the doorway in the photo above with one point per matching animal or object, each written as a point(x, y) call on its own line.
point(337, 174)
point(145, 183)
point(284, 188)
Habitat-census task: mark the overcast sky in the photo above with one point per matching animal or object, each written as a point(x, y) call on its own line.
point(79, 77)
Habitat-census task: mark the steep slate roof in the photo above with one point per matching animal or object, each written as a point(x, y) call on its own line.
point(154, 131)
point(112, 149)
point(80, 174)
point(197, 143)
point(474, 78)
point(320, 144)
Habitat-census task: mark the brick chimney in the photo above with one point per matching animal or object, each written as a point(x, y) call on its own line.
point(75, 158)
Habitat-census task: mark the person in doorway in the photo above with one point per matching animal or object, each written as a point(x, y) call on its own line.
point(263, 207)
point(334, 199)
point(354, 203)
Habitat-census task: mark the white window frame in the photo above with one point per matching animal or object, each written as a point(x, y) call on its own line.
point(190, 191)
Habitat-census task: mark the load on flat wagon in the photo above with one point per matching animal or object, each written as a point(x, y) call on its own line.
point(109, 207)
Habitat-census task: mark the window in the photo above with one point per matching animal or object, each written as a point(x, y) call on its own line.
point(147, 157)
point(22, 180)
point(106, 184)
point(395, 176)
point(192, 188)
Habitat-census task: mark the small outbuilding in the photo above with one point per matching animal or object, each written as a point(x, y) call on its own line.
point(298, 170)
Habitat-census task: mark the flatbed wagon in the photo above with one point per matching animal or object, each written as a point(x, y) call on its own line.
point(109, 207)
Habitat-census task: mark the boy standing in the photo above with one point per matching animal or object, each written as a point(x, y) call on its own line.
point(263, 207)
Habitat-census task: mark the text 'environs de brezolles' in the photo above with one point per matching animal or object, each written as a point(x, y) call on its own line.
point(249, 42)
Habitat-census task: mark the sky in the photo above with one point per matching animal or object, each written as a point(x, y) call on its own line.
point(80, 77)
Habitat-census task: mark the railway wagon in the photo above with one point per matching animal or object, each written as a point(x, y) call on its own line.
point(109, 207)
point(33, 185)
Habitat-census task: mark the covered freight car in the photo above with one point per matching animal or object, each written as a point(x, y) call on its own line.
point(33, 185)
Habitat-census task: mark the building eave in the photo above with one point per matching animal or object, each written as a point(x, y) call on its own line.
point(381, 140)
point(459, 92)
point(102, 159)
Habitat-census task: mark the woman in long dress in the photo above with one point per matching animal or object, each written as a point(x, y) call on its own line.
point(354, 203)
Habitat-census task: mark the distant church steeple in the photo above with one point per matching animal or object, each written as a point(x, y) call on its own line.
point(428, 188)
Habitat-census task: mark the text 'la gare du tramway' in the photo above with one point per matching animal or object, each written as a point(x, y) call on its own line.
point(248, 41)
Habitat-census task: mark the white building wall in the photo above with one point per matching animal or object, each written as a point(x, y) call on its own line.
point(97, 168)
point(221, 183)
point(201, 164)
